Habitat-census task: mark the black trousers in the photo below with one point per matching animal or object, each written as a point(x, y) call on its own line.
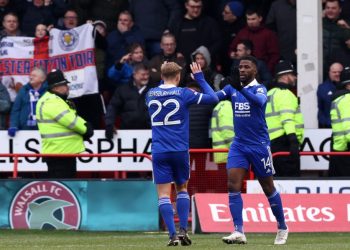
point(285, 166)
point(339, 166)
point(60, 167)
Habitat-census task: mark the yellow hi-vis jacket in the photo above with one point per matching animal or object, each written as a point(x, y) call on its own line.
point(283, 114)
point(222, 129)
point(61, 129)
point(340, 120)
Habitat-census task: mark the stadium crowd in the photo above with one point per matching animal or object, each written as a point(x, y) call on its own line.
point(133, 39)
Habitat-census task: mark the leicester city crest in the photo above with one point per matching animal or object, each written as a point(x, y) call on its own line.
point(68, 39)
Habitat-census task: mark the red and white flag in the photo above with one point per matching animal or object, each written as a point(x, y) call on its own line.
point(71, 51)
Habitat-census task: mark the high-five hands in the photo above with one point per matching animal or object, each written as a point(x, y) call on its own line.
point(195, 68)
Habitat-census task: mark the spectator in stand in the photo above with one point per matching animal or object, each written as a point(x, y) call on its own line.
point(106, 11)
point(120, 39)
point(325, 92)
point(7, 6)
point(5, 105)
point(37, 12)
point(80, 7)
point(195, 30)
point(233, 22)
point(282, 18)
point(23, 112)
point(334, 35)
point(264, 40)
point(70, 20)
point(10, 26)
point(245, 48)
point(154, 18)
point(169, 54)
point(41, 31)
point(202, 57)
point(40, 41)
point(128, 103)
point(122, 71)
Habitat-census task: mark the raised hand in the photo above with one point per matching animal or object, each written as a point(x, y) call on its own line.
point(195, 68)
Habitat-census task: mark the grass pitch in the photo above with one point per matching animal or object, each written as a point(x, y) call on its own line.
point(32, 239)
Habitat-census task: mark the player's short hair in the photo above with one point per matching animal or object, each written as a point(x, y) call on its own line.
point(251, 59)
point(170, 70)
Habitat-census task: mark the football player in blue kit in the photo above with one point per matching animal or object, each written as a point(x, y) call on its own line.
point(250, 146)
point(168, 108)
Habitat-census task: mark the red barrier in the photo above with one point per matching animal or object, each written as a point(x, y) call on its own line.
point(18, 155)
point(149, 157)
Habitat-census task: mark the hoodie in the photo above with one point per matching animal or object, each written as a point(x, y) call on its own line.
point(205, 52)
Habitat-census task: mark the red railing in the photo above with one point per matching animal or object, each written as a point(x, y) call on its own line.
point(16, 156)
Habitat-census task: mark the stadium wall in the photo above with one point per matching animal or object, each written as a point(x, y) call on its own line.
point(79, 205)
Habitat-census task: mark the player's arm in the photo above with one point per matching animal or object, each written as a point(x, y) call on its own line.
point(208, 96)
point(258, 98)
point(225, 93)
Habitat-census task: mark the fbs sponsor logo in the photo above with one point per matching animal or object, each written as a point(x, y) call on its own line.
point(45, 205)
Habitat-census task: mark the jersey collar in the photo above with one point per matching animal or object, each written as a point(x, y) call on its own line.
point(253, 83)
point(167, 86)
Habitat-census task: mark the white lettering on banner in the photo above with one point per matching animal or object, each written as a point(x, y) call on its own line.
point(214, 208)
point(315, 140)
point(135, 141)
point(140, 142)
point(22, 201)
point(303, 186)
point(265, 214)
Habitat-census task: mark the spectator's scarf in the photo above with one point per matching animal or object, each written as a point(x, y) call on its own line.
point(33, 99)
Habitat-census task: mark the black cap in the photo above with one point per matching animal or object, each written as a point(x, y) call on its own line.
point(345, 76)
point(56, 78)
point(284, 67)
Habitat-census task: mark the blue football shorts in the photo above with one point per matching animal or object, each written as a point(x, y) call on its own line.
point(258, 156)
point(171, 167)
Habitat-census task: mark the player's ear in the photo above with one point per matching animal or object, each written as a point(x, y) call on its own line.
point(178, 77)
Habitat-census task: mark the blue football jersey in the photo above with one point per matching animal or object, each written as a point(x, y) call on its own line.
point(248, 106)
point(168, 109)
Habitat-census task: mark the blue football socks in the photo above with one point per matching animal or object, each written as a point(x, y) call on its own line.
point(166, 210)
point(183, 208)
point(277, 209)
point(236, 209)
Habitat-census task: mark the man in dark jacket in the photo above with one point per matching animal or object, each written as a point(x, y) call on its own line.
point(169, 54)
point(195, 30)
point(128, 102)
point(325, 92)
point(264, 40)
point(154, 18)
point(122, 37)
point(335, 33)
